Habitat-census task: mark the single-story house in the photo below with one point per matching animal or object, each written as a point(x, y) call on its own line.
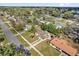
point(64, 46)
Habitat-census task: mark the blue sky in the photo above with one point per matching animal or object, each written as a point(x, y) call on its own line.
point(42, 4)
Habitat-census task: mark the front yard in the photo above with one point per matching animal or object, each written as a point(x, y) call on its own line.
point(22, 41)
point(33, 52)
point(29, 37)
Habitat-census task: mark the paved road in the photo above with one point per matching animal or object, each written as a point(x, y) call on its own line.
point(9, 35)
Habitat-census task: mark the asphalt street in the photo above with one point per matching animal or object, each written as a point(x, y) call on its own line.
point(9, 35)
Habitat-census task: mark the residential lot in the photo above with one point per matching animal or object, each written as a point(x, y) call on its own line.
point(28, 36)
point(34, 53)
point(47, 50)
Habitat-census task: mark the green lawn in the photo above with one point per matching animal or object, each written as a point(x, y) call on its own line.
point(34, 53)
point(28, 36)
point(22, 41)
point(13, 31)
point(47, 50)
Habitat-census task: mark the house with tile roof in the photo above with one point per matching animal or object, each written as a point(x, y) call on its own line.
point(64, 46)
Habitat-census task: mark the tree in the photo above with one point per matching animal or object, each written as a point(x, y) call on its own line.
point(68, 14)
point(33, 30)
point(1, 35)
point(50, 28)
point(13, 50)
point(19, 27)
point(55, 12)
point(44, 26)
point(1, 38)
point(29, 21)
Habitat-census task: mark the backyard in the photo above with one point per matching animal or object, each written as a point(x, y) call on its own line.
point(47, 50)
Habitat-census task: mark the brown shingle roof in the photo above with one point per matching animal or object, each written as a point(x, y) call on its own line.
point(59, 43)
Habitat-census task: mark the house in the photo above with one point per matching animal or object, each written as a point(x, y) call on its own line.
point(27, 27)
point(1, 13)
point(16, 20)
point(64, 46)
point(43, 34)
point(58, 26)
point(12, 19)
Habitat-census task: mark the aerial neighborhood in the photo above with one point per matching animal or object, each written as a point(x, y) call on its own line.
point(39, 31)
